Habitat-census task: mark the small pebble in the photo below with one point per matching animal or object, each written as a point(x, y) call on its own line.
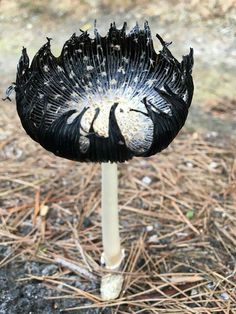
point(87, 222)
point(29, 26)
point(146, 180)
point(79, 285)
point(149, 228)
point(153, 238)
point(189, 164)
point(49, 270)
point(212, 134)
point(211, 286)
point(212, 165)
point(193, 292)
point(224, 296)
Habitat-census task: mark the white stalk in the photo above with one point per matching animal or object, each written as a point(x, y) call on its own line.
point(112, 254)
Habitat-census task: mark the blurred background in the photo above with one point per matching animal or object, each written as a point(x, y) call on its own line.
point(207, 26)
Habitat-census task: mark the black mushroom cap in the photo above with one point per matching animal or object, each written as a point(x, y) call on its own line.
point(104, 98)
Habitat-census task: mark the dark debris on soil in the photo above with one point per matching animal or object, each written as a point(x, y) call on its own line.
point(32, 296)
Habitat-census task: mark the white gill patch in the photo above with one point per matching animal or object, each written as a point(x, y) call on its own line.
point(56, 96)
point(84, 144)
point(89, 67)
point(117, 47)
point(74, 95)
point(60, 69)
point(72, 74)
point(151, 62)
point(45, 68)
point(113, 82)
point(150, 82)
point(185, 96)
point(75, 103)
point(101, 124)
point(162, 88)
point(87, 119)
point(72, 117)
point(136, 127)
point(58, 109)
point(166, 69)
point(174, 76)
point(121, 70)
point(126, 60)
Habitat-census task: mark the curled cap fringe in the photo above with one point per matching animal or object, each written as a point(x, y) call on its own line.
point(107, 98)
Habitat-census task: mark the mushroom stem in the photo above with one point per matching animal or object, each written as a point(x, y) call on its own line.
point(112, 255)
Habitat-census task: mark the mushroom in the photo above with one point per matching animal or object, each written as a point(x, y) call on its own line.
point(106, 100)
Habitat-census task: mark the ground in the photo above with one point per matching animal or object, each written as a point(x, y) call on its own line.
point(177, 209)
